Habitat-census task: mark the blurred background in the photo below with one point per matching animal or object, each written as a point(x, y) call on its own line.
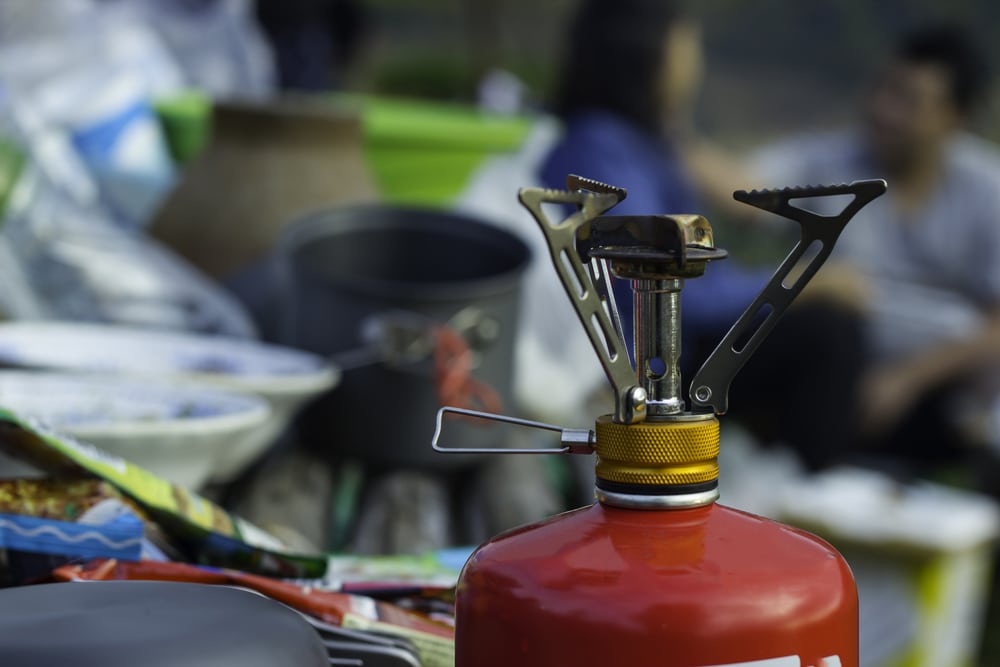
point(298, 218)
point(792, 66)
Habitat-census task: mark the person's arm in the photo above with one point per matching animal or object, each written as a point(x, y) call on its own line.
point(889, 391)
point(717, 173)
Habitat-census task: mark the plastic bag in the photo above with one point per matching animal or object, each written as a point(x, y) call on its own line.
point(86, 73)
point(81, 97)
point(65, 258)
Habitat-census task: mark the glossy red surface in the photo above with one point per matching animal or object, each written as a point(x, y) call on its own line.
point(671, 588)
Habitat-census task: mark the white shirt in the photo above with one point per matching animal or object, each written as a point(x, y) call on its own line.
point(934, 273)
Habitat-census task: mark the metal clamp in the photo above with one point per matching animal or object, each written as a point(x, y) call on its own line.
point(710, 386)
point(573, 440)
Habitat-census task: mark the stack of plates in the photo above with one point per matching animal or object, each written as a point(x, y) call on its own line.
point(188, 407)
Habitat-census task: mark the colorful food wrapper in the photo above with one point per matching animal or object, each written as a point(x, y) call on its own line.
point(45, 523)
point(203, 531)
point(119, 538)
point(433, 640)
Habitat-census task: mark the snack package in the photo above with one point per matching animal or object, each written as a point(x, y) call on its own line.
point(201, 530)
point(424, 583)
point(46, 498)
point(433, 640)
point(46, 523)
point(435, 569)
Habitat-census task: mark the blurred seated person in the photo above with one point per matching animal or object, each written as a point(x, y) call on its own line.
point(928, 251)
point(632, 72)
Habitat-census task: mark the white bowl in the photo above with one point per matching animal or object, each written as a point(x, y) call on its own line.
point(178, 431)
point(286, 378)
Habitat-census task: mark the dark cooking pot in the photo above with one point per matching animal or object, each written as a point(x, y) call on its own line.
point(348, 267)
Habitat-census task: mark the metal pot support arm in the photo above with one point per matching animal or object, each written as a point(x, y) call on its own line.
point(590, 290)
point(710, 386)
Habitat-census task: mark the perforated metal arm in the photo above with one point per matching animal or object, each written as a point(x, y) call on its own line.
point(589, 288)
point(710, 386)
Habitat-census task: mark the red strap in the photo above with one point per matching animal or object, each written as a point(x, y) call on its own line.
point(452, 375)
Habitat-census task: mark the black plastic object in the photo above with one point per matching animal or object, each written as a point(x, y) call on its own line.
point(150, 623)
point(345, 266)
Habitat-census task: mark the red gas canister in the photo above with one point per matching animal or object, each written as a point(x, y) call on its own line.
point(656, 573)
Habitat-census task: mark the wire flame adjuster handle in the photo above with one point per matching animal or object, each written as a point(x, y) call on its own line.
point(573, 440)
